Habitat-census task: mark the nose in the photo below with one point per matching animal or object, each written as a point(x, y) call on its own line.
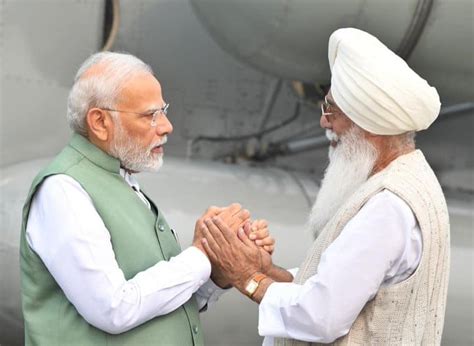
point(324, 122)
point(164, 126)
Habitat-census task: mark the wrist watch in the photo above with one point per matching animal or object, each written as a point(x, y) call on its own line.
point(253, 284)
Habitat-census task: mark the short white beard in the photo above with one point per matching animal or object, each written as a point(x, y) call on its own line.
point(350, 165)
point(132, 156)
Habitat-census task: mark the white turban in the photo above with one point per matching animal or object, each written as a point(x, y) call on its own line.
point(375, 88)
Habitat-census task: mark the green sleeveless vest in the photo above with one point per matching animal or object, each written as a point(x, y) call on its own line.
point(140, 238)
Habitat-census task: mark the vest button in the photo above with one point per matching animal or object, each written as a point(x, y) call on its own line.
point(195, 329)
point(161, 227)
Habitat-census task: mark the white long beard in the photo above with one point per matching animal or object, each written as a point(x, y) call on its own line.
point(350, 164)
point(132, 155)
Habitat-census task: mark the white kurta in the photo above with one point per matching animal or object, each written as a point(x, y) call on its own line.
point(380, 246)
point(67, 233)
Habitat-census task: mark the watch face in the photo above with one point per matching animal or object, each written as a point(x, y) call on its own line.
point(251, 286)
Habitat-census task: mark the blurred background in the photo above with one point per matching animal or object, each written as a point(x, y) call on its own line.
point(244, 79)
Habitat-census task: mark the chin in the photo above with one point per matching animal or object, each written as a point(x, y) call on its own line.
point(155, 166)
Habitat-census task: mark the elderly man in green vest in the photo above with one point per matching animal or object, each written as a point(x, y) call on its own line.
point(99, 263)
point(377, 272)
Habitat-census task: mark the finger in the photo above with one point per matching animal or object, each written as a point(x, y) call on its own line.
point(265, 241)
point(218, 233)
point(253, 229)
point(210, 212)
point(217, 225)
point(242, 214)
point(234, 208)
point(262, 233)
point(227, 212)
point(213, 211)
point(262, 226)
point(259, 223)
point(243, 237)
point(212, 242)
point(262, 223)
point(247, 228)
point(208, 249)
point(269, 248)
point(239, 219)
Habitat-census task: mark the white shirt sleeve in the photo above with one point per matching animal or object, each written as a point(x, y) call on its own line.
point(379, 246)
point(208, 294)
point(69, 236)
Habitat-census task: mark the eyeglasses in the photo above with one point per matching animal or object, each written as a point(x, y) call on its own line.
point(154, 115)
point(326, 107)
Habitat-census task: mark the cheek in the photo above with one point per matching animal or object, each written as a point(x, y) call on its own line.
point(140, 132)
point(342, 125)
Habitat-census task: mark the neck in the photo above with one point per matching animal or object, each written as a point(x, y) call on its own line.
point(128, 170)
point(103, 145)
point(388, 152)
point(385, 158)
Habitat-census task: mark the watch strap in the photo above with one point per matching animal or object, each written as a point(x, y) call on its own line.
point(257, 278)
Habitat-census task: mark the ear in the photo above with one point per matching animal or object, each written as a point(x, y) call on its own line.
point(100, 124)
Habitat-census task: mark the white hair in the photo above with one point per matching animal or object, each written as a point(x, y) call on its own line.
point(102, 89)
point(351, 163)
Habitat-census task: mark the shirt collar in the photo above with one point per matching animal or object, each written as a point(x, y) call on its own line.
point(130, 179)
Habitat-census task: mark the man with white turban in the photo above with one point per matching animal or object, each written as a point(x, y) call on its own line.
point(377, 272)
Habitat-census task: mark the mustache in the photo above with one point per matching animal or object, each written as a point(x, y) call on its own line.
point(159, 143)
point(332, 136)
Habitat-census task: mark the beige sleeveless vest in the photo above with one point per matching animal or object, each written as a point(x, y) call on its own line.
point(412, 311)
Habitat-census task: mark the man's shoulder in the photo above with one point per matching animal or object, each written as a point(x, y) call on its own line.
point(414, 181)
point(408, 169)
point(60, 165)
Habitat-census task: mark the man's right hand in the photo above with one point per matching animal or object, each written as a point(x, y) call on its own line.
point(233, 216)
point(198, 227)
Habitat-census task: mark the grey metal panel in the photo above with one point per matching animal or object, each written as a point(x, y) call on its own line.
point(445, 52)
point(211, 93)
point(289, 38)
point(43, 42)
point(187, 59)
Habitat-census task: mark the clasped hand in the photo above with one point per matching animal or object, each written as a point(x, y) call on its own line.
point(236, 247)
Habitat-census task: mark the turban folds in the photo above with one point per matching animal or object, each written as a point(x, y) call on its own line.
point(375, 88)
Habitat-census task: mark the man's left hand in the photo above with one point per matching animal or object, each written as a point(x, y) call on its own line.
point(260, 234)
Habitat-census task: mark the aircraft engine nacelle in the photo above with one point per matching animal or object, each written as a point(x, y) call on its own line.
point(289, 38)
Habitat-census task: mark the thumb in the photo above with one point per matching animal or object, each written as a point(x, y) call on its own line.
point(244, 238)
